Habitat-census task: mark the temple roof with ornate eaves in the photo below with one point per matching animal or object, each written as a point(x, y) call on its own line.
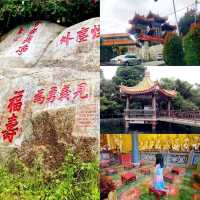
point(146, 86)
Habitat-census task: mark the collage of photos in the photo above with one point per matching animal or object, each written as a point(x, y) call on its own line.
point(49, 99)
point(150, 100)
point(99, 99)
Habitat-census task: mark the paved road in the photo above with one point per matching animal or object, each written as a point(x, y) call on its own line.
point(151, 63)
point(154, 63)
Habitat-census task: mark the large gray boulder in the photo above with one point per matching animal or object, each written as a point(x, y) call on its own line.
point(51, 101)
point(24, 46)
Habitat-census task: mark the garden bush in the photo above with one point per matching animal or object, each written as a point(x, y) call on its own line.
point(173, 50)
point(192, 45)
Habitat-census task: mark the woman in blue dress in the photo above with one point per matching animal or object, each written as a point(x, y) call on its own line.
point(158, 180)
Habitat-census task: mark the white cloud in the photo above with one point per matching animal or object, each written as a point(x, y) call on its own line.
point(186, 73)
point(116, 13)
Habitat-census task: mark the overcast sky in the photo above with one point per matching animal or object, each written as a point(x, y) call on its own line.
point(116, 13)
point(190, 74)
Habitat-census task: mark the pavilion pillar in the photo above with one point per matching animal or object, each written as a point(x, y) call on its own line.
point(169, 107)
point(127, 103)
point(127, 113)
point(154, 112)
point(154, 105)
point(135, 148)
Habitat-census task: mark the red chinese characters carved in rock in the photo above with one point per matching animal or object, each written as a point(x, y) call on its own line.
point(81, 91)
point(28, 39)
point(21, 30)
point(15, 103)
point(11, 128)
point(66, 39)
point(95, 31)
point(82, 35)
point(52, 94)
point(22, 49)
point(65, 93)
point(39, 97)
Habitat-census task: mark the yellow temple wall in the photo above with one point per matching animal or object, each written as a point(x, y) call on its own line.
point(177, 142)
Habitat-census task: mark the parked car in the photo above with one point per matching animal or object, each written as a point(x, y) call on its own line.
point(127, 59)
point(159, 56)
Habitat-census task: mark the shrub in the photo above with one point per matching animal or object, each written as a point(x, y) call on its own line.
point(173, 50)
point(74, 180)
point(192, 45)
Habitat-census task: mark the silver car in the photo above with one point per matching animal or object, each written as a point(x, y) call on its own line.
point(127, 59)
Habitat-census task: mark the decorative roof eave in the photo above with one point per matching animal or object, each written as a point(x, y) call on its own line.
point(118, 42)
point(129, 91)
point(110, 35)
point(169, 93)
point(152, 15)
point(146, 86)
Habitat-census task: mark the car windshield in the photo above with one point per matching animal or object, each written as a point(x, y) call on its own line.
point(117, 57)
point(130, 56)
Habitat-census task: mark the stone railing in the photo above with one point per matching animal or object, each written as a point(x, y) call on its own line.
point(138, 113)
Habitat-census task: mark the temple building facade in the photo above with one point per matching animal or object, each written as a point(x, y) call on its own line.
point(149, 94)
point(151, 28)
point(120, 40)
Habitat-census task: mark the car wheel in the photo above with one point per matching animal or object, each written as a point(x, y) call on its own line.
point(126, 64)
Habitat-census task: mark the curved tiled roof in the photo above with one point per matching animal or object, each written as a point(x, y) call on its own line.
point(146, 86)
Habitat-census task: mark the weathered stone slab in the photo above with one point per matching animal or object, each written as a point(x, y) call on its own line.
point(75, 47)
point(49, 90)
point(25, 45)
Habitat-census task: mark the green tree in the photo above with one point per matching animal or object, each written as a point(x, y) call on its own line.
point(187, 96)
point(192, 45)
point(106, 53)
point(64, 12)
point(185, 22)
point(173, 50)
point(129, 75)
point(112, 105)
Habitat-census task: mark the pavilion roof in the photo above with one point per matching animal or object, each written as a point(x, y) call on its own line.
point(146, 86)
point(111, 35)
point(156, 16)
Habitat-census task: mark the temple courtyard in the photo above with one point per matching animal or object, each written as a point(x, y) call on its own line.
point(127, 165)
point(180, 183)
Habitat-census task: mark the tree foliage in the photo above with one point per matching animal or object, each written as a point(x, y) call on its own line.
point(112, 105)
point(64, 12)
point(106, 53)
point(186, 21)
point(192, 45)
point(73, 180)
point(187, 97)
point(173, 50)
